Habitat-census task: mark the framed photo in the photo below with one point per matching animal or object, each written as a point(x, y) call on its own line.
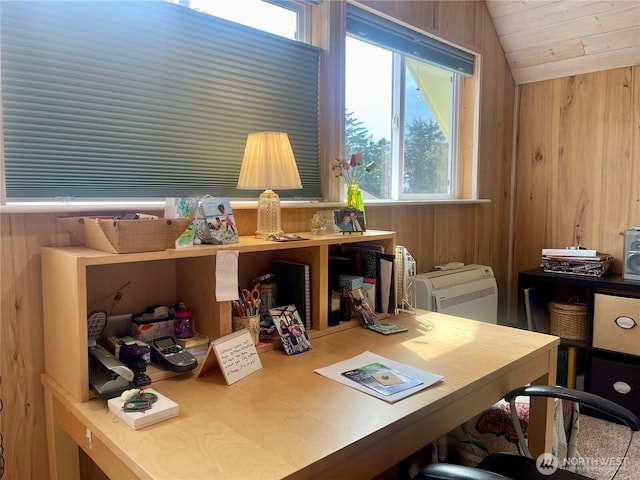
point(349, 220)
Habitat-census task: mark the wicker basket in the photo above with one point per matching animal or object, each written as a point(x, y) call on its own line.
point(568, 320)
point(126, 236)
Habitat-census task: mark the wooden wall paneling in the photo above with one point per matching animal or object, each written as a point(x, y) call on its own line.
point(576, 216)
point(615, 182)
point(456, 22)
point(633, 219)
point(495, 141)
point(534, 170)
point(454, 234)
point(22, 346)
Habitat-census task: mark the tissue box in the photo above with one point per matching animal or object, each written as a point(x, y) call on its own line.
point(147, 330)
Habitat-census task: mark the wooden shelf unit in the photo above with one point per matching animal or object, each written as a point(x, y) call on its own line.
point(617, 364)
point(78, 280)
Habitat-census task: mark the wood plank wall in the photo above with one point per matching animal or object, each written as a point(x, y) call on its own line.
point(577, 177)
point(578, 164)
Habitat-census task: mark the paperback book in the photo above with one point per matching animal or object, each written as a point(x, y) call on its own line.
point(382, 379)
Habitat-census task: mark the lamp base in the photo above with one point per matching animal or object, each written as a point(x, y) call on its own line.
point(268, 215)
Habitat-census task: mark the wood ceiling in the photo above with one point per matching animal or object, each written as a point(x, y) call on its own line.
point(546, 39)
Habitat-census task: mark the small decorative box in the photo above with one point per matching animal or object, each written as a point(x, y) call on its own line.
point(350, 282)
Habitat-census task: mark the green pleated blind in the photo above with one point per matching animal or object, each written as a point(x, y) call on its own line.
point(146, 100)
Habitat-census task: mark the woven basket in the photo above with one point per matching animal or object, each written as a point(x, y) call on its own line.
point(568, 320)
point(126, 236)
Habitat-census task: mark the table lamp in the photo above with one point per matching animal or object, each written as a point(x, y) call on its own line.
point(268, 164)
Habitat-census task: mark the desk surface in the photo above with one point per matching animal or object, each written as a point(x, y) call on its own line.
point(287, 421)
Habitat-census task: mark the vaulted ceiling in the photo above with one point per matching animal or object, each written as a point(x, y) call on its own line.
point(545, 39)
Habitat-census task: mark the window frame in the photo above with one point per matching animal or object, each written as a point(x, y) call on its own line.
point(381, 27)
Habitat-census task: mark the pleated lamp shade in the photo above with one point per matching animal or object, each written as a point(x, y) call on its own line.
point(269, 164)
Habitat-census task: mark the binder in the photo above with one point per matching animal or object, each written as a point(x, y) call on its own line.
point(293, 282)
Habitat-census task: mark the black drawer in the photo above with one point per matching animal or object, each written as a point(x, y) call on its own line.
point(610, 379)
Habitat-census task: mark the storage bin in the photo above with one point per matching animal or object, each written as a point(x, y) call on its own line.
point(615, 323)
point(617, 381)
point(568, 320)
point(126, 236)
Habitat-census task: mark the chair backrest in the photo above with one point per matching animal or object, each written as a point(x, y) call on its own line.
point(610, 409)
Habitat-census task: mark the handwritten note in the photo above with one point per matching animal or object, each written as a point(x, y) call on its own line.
point(227, 275)
point(237, 355)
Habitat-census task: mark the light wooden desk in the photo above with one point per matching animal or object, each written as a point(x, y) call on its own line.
point(287, 421)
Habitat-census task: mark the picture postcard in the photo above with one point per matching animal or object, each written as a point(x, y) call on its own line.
point(182, 207)
point(362, 307)
point(291, 329)
point(221, 226)
point(381, 378)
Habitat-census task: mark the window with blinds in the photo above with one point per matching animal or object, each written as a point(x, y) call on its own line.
point(105, 100)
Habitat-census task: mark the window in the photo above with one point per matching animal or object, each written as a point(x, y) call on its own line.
point(130, 100)
point(401, 98)
point(285, 18)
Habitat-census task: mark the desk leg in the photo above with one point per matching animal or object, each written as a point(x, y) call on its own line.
point(541, 412)
point(62, 449)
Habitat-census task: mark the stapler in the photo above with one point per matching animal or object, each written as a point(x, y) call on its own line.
point(108, 376)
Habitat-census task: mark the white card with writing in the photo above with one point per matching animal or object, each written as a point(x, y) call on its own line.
point(237, 355)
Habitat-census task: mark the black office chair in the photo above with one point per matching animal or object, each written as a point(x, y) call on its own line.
point(523, 467)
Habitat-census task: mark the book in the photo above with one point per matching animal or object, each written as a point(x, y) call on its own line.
point(387, 328)
point(293, 281)
point(197, 340)
point(382, 379)
point(386, 283)
point(569, 252)
point(291, 329)
point(163, 409)
point(538, 318)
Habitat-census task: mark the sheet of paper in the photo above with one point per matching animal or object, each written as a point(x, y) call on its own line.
point(227, 275)
point(334, 372)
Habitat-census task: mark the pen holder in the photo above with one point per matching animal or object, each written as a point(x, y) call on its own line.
point(251, 323)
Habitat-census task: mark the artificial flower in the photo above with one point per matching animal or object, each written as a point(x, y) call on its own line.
point(351, 170)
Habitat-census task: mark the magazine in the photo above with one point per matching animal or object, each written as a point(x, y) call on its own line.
point(291, 329)
point(382, 379)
